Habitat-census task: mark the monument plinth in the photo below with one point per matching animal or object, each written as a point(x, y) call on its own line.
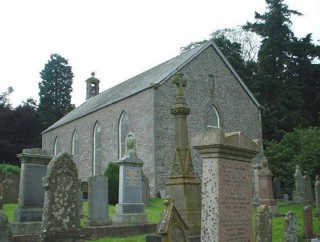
point(130, 209)
point(226, 185)
point(183, 186)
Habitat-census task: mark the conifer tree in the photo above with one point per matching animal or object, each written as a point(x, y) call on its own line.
point(55, 90)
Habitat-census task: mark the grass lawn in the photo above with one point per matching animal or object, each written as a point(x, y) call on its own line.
point(155, 208)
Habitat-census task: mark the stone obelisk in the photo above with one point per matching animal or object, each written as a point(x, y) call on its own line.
point(183, 185)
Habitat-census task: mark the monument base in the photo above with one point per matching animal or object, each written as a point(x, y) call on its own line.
point(128, 208)
point(98, 223)
point(131, 218)
point(28, 214)
point(26, 228)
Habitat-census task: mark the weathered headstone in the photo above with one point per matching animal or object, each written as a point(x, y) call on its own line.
point(277, 191)
point(317, 192)
point(263, 224)
point(285, 198)
point(1, 202)
point(172, 227)
point(61, 219)
point(145, 190)
point(130, 209)
point(308, 197)
point(31, 193)
point(290, 227)
point(298, 193)
point(226, 185)
point(266, 187)
point(183, 185)
point(5, 231)
point(307, 223)
point(98, 201)
point(10, 188)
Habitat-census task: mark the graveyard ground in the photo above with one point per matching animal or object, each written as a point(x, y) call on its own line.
point(154, 211)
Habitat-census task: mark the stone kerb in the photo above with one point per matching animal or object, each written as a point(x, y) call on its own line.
point(226, 185)
point(61, 218)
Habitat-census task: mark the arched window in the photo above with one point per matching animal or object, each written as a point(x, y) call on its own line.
point(212, 119)
point(56, 146)
point(96, 166)
point(123, 130)
point(75, 145)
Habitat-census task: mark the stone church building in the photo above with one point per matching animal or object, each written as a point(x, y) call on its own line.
point(95, 131)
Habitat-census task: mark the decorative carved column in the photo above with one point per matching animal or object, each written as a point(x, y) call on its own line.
point(183, 186)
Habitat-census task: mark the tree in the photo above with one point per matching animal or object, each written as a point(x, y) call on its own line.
point(55, 90)
point(278, 82)
point(300, 147)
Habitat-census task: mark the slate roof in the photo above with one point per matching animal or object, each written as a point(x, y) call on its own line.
point(145, 80)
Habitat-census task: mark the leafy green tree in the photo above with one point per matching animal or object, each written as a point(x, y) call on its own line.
point(55, 90)
point(278, 83)
point(300, 147)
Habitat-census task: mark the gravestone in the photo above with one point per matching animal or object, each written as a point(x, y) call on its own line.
point(317, 192)
point(145, 190)
point(298, 193)
point(307, 223)
point(1, 202)
point(266, 187)
point(10, 188)
point(290, 227)
point(98, 201)
point(308, 197)
point(5, 231)
point(285, 198)
point(226, 185)
point(263, 224)
point(31, 193)
point(183, 185)
point(277, 191)
point(130, 209)
point(61, 219)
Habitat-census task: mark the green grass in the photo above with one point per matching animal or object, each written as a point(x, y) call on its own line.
point(155, 209)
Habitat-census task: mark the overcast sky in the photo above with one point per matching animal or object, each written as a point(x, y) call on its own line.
point(116, 39)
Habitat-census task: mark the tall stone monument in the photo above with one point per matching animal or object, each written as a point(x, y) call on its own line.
point(226, 185)
point(298, 193)
point(317, 192)
point(266, 187)
point(183, 186)
point(130, 209)
point(61, 215)
point(28, 215)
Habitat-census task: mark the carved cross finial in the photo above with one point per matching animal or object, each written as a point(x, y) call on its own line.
point(180, 81)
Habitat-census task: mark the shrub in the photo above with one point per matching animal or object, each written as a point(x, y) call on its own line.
point(112, 173)
point(5, 168)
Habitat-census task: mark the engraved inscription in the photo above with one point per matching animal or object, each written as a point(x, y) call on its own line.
point(132, 177)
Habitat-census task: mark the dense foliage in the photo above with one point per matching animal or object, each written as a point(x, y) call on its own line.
point(300, 147)
point(112, 173)
point(55, 90)
point(5, 168)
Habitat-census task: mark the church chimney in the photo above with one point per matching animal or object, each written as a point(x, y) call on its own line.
point(92, 86)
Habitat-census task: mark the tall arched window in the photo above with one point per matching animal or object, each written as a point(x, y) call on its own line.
point(75, 145)
point(56, 146)
point(123, 130)
point(212, 119)
point(96, 166)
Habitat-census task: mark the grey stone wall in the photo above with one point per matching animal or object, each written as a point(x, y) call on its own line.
point(139, 109)
point(236, 109)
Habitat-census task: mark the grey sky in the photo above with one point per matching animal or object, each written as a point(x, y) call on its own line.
point(116, 39)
